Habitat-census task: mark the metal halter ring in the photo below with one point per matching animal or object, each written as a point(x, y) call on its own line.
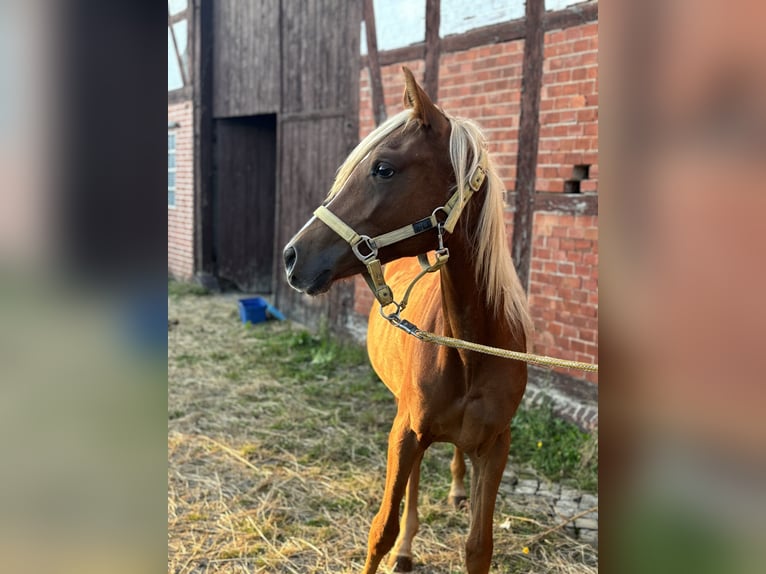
point(392, 317)
point(370, 244)
point(437, 210)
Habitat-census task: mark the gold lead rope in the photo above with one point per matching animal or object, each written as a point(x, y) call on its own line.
point(429, 337)
point(506, 354)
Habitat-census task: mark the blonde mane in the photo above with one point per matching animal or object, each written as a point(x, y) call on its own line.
point(494, 267)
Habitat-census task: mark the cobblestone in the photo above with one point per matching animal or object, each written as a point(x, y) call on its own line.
point(527, 486)
point(563, 502)
point(570, 494)
point(587, 523)
point(549, 490)
point(565, 508)
point(589, 536)
point(588, 501)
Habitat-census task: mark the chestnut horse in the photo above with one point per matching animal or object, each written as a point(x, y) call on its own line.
point(427, 177)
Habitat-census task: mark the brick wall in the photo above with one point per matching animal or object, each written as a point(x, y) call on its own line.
point(563, 287)
point(569, 108)
point(484, 84)
point(181, 216)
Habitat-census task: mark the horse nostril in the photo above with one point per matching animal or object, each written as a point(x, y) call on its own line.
point(290, 258)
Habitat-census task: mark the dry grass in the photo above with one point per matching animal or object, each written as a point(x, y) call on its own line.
point(276, 451)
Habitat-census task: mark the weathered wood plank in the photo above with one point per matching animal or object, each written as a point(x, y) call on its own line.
point(317, 128)
point(529, 131)
point(246, 57)
point(306, 173)
point(245, 194)
point(316, 53)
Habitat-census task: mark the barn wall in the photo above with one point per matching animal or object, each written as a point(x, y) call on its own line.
point(181, 217)
point(484, 83)
point(246, 57)
point(317, 129)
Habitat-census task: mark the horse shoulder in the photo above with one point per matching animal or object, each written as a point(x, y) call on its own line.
point(396, 356)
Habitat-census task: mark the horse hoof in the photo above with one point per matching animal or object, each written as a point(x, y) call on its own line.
point(403, 564)
point(458, 502)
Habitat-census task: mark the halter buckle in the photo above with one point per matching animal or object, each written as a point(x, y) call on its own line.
point(369, 243)
point(477, 177)
point(440, 258)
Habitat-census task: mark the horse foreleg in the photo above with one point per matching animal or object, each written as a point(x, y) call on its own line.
point(403, 450)
point(457, 494)
point(402, 556)
point(488, 472)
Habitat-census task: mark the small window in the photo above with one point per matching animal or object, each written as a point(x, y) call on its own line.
point(171, 169)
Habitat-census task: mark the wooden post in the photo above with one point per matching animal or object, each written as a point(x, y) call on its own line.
point(433, 49)
point(204, 262)
point(376, 82)
point(529, 132)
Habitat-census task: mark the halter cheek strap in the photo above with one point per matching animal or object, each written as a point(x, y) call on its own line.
point(366, 248)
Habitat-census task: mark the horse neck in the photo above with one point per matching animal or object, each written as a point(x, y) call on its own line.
point(467, 314)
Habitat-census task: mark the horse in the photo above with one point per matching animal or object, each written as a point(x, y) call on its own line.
point(423, 182)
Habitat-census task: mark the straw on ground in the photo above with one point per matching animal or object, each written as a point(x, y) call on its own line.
point(276, 452)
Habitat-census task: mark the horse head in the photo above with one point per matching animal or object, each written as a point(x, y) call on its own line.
point(397, 176)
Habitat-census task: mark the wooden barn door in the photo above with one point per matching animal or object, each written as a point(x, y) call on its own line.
point(318, 127)
point(245, 192)
point(240, 53)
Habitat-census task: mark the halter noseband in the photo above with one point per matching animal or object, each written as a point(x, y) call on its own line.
point(366, 248)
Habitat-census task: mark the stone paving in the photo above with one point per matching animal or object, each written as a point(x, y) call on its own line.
point(562, 503)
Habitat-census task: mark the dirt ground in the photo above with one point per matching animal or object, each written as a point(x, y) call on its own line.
point(276, 459)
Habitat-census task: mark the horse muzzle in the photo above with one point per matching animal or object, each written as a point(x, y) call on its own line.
point(307, 274)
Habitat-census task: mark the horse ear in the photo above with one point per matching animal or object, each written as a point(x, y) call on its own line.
point(416, 98)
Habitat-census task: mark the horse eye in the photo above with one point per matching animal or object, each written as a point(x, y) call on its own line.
point(383, 170)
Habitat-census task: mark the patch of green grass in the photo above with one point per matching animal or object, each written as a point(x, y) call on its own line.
point(553, 447)
point(188, 359)
point(303, 356)
point(182, 289)
point(556, 448)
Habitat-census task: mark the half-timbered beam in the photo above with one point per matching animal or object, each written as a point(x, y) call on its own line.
point(204, 257)
point(492, 34)
point(373, 66)
point(184, 77)
point(568, 203)
point(433, 49)
point(177, 17)
point(529, 132)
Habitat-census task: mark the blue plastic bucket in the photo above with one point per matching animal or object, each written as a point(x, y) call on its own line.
point(252, 310)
